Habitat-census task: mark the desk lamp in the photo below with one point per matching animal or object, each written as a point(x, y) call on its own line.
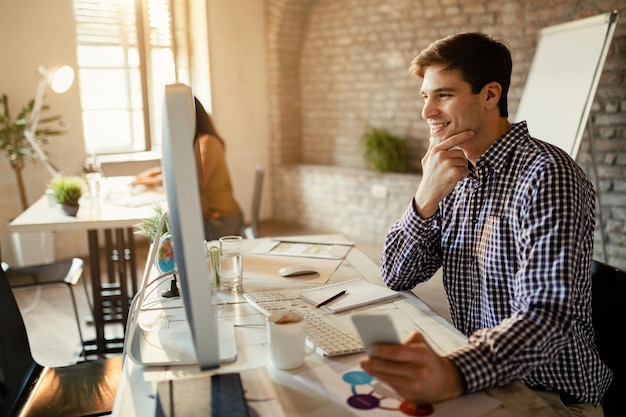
point(60, 80)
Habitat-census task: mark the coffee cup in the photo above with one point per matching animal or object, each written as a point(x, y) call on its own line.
point(287, 341)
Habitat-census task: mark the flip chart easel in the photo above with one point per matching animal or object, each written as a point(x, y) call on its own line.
point(563, 79)
point(562, 84)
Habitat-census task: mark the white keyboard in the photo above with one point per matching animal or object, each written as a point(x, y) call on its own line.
point(330, 340)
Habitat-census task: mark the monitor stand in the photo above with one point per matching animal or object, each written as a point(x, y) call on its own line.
point(228, 342)
point(172, 345)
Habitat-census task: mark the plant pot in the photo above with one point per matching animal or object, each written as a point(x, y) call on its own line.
point(69, 210)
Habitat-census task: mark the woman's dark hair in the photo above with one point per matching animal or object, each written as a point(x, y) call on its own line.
point(204, 125)
point(477, 57)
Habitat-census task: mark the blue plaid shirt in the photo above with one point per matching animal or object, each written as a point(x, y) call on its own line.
point(515, 239)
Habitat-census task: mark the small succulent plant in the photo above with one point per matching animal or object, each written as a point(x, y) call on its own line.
point(67, 190)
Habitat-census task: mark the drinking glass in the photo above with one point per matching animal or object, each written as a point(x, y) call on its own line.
point(231, 264)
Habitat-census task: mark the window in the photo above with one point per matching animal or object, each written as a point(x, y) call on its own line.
point(126, 54)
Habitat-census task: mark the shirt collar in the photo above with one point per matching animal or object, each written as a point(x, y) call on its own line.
point(500, 152)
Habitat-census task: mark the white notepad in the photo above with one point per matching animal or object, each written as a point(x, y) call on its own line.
point(359, 292)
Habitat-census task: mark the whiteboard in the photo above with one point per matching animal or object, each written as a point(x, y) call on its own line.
point(563, 79)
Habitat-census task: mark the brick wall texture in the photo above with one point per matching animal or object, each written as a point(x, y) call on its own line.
point(338, 66)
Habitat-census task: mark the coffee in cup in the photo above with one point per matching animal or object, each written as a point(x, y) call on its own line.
point(287, 341)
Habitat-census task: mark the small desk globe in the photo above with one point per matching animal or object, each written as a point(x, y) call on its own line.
point(165, 254)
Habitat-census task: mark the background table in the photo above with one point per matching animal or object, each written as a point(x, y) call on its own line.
point(116, 222)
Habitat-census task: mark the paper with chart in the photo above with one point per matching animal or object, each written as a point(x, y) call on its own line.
point(362, 394)
point(302, 249)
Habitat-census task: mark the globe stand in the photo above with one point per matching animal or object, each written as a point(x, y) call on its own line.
point(173, 291)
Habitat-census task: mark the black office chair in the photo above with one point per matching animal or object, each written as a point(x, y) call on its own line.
point(252, 230)
point(608, 286)
point(32, 390)
point(64, 272)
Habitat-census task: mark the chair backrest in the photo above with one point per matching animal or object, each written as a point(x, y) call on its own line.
point(609, 315)
point(18, 370)
point(252, 231)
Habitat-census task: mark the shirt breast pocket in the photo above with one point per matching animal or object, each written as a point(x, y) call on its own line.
point(495, 249)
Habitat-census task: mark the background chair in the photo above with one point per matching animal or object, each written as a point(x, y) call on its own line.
point(66, 272)
point(608, 286)
point(32, 390)
point(251, 231)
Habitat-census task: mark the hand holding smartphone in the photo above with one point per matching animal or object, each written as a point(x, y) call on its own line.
point(375, 328)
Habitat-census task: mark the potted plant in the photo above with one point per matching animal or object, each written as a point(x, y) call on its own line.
point(149, 225)
point(67, 191)
point(165, 254)
point(384, 151)
point(15, 146)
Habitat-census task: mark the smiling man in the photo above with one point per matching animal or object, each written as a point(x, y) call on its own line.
point(510, 219)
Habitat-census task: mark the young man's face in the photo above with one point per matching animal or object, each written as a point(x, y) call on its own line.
point(449, 104)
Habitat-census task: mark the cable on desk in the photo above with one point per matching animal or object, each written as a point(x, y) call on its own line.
point(133, 312)
point(158, 280)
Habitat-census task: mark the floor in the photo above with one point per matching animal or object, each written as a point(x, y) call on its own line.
point(52, 329)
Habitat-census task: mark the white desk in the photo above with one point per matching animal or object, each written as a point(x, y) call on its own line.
point(136, 395)
point(117, 221)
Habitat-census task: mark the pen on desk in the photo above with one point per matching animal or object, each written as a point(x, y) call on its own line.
point(333, 298)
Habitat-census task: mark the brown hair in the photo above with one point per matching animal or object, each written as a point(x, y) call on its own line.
point(477, 57)
point(204, 124)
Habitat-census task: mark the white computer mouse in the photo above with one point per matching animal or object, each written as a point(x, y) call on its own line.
point(296, 270)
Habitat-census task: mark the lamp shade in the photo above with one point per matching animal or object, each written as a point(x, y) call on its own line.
point(59, 78)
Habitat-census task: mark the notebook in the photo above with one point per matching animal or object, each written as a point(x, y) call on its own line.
point(251, 393)
point(359, 292)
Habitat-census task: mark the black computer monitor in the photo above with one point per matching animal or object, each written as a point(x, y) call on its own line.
point(185, 222)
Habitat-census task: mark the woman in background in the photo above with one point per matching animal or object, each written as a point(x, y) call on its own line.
point(221, 212)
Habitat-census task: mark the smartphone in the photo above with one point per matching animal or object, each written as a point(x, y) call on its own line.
point(375, 328)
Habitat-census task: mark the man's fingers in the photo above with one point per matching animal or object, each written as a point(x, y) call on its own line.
point(415, 337)
point(454, 140)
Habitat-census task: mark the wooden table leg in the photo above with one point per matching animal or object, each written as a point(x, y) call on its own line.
point(111, 296)
point(96, 285)
point(131, 261)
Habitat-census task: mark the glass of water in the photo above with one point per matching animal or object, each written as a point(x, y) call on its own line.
point(231, 264)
